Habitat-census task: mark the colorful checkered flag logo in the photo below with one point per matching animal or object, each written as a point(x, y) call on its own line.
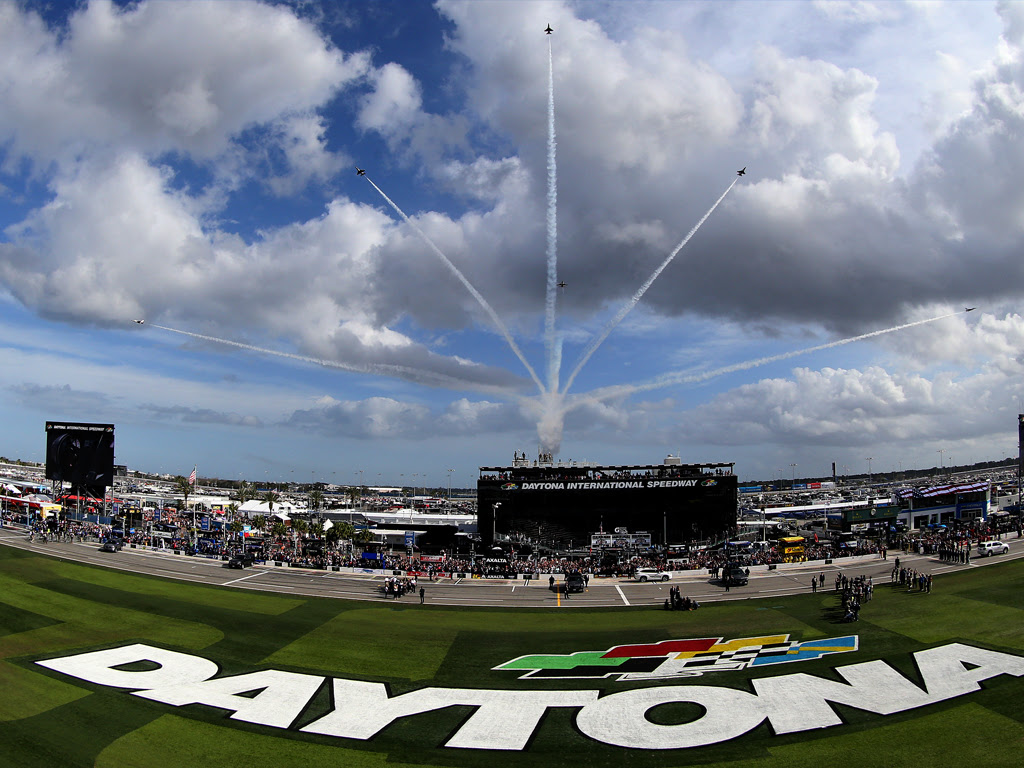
point(678, 658)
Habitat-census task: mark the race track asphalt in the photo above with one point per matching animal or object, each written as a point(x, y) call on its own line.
point(602, 592)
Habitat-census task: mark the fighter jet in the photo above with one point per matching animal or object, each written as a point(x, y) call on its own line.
point(360, 171)
point(141, 322)
point(742, 171)
point(549, 30)
point(969, 309)
point(562, 284)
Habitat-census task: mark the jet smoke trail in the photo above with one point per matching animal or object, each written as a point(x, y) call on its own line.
point(553, 361)
point(381, 369)
point(469, 287)
point(668, 379)
point(628, 306)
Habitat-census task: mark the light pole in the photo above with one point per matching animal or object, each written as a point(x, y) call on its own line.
point(791, 487)
point(869, 459)
point(450, 487)
point(940, 451)
point(494, 522)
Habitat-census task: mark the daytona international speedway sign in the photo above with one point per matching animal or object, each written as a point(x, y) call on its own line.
point(604, 485)
point(504, 719)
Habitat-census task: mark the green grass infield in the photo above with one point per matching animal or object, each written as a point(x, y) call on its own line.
point(51, 610)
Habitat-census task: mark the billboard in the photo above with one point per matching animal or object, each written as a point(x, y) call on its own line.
point(569, 504)
point(638, 540)
point(81, 454)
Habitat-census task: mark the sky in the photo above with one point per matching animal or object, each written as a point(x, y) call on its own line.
point(193, 165)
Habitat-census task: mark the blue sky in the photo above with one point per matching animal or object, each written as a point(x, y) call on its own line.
point(192, 164)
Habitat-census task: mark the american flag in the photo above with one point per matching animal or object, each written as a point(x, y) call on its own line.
point(192, 477)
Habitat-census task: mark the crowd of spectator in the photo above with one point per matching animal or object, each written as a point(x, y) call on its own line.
point(911, 579)
point(952, 544)
point(853, 594)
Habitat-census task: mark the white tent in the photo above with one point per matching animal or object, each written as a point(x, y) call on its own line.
point(255, 507)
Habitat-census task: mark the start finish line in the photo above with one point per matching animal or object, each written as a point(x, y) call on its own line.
point(506, 719)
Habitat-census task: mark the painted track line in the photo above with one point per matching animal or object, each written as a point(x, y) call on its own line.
point(226, 583)
point(621, 594)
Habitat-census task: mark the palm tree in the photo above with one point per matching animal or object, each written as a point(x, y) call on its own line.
point(353, 494)
point(316, 530)
point(245, 492)
point(345, 531)
point(232, 511)
point(183, 488)
point(279, 529)
point(236, 526)
point(259, 522)
point(270, 498)
point(363, 536)
point(316, 499)
point(340, 531)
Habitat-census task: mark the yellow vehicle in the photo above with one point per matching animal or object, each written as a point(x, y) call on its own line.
point(792, 549)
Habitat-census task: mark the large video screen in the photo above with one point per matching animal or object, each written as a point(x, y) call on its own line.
point(673, 510)
point(80, 454)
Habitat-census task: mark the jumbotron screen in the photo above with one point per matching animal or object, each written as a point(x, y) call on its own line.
point(81, 455)
point(673, 503)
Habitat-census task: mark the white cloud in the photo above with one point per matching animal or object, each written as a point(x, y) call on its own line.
point(836, 228)
point(157, 77)
point(303, 143)
point(813, 110)
point(394, 102)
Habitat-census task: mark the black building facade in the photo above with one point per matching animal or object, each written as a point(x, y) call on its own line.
point(564, 504)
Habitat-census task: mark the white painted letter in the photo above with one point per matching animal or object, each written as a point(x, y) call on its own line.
point(801, 702)
point(98, 667)
point(503, 720)
point(283, 696)
point(619, 719)
point(945, 675)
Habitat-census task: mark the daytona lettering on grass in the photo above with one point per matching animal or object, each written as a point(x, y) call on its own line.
point(506, 719)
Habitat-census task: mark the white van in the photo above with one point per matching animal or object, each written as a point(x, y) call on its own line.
point(986, 548)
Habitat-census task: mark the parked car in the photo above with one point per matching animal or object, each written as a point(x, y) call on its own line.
point(735, 575)
point(574, 582)
point(240, 561)
point(986, 548)
point(652, 574)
